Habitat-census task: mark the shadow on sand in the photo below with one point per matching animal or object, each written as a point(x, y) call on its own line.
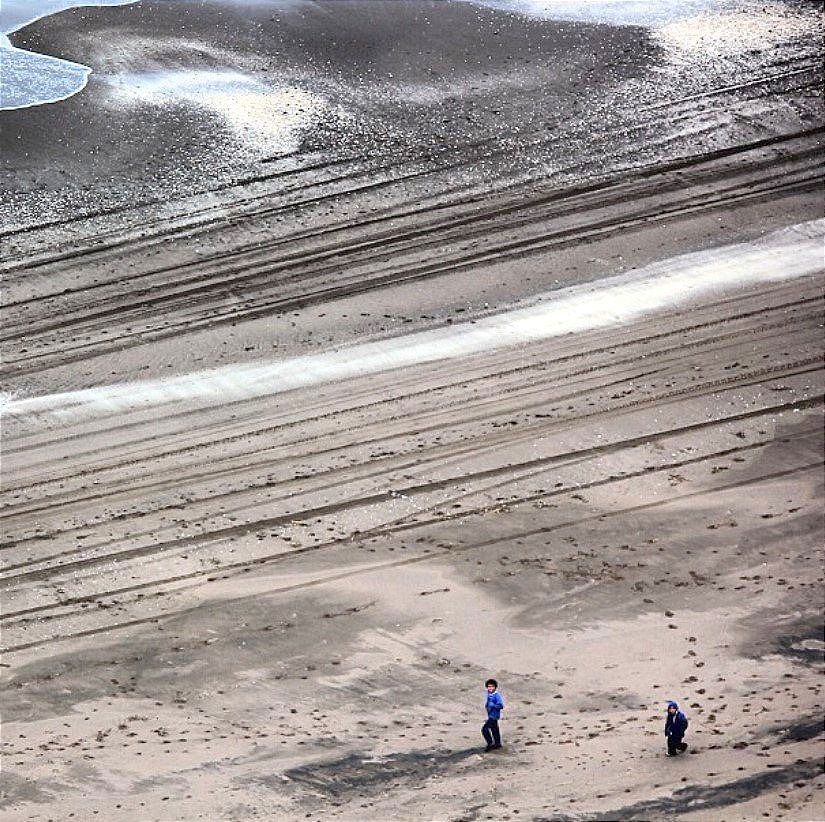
point(701, 797)
point(361, 772)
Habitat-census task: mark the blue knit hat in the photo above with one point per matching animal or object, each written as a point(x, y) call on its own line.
point(673, 704)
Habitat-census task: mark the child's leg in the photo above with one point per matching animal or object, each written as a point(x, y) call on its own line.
point(496, 732)
point(486, 733)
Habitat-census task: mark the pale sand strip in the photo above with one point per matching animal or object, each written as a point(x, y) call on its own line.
point(793, 252)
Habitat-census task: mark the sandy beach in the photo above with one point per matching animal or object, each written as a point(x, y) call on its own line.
point(354, 352)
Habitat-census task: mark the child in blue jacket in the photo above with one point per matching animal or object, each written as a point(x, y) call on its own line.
point(494, 706)
point(675, 727)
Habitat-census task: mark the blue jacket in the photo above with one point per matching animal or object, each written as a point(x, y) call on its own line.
point(494, 705)
point(675, 724)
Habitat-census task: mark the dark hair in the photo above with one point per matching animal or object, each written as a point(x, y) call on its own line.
point(491, 682)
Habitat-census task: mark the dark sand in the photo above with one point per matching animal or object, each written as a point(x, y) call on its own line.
point(286, 607)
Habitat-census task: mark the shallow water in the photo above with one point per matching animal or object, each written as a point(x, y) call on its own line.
point(14, 14)
point(28, 78)
point(617, 12)
point(708, 26)
point(713, 26)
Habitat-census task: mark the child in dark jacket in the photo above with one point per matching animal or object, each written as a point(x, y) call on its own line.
point(675, 727)
point(494, 706)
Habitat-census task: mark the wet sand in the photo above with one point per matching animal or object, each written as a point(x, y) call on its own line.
point(284, 606)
